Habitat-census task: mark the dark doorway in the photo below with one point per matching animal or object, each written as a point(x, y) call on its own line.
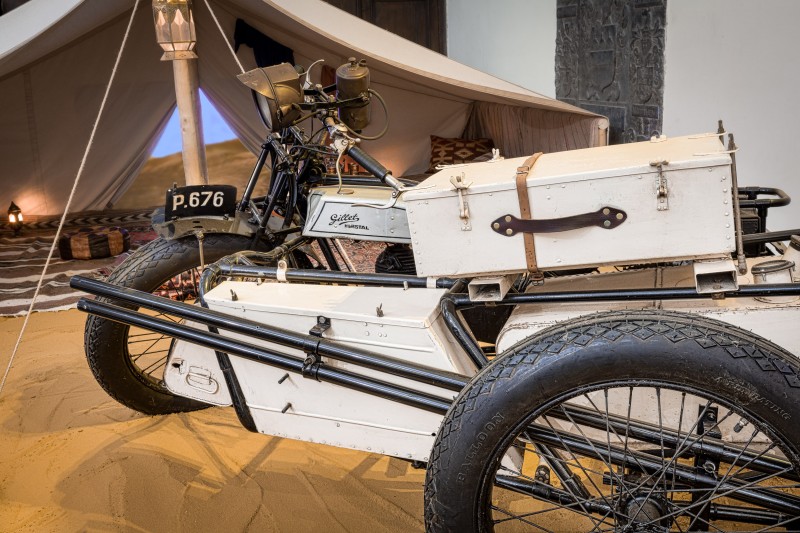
point(420, 21)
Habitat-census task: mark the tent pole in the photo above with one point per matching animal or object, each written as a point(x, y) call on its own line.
point(188, 97)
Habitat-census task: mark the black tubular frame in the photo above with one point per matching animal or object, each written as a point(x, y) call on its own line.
point(456, 299)
point(260, 354)
point(627, 295)
point(452, 300)
point(307, 343)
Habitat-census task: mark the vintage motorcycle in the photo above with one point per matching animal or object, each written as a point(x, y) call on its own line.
point(651, 386)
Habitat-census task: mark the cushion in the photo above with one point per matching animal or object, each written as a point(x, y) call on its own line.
point(456, 151)
point(95, 243)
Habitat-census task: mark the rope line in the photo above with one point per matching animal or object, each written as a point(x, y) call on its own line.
point(71, 195)
point(224, 38)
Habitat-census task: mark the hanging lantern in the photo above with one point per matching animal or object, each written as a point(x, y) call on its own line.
point(175, 28)
point(15, 218)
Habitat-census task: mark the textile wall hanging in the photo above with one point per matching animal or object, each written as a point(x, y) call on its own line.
point(610, 60)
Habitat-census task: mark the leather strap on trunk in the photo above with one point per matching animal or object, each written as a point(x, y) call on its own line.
point(525, 213)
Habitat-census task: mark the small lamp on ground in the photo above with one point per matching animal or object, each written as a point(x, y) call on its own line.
point(15, 218)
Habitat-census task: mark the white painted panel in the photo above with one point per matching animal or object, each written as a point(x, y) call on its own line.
point(411, 329)
point(774, 319)
point(193, 371)
point(349, 215)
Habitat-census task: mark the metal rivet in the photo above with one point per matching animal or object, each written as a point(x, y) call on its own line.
point(606, 211)
point(496, 225)
point(607, 223)
point(619, 216)
point(508, 218)
point(509, 231)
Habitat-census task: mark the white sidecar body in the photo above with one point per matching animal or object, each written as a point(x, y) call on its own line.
point(677, 210)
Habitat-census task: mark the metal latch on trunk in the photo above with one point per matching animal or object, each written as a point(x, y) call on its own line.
point(463, 207)
point(662, 192)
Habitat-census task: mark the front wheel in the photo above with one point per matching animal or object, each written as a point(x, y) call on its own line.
point(129, 362)
point(637, 421)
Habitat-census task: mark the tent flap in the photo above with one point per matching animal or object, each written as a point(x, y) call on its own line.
point(54, 69)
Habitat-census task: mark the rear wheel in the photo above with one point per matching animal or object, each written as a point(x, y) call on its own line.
point(129, 362)
point(638, 421)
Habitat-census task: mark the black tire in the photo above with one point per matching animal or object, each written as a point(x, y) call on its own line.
point(139, 386)
point(506, 414)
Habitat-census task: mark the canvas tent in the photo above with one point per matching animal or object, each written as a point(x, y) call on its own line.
point(56, 57)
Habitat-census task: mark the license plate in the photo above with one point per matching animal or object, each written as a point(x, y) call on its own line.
point(200, 200)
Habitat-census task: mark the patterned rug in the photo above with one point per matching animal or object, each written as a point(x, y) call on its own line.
point(22, 259)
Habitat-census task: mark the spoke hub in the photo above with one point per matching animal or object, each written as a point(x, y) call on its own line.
point(644, 512)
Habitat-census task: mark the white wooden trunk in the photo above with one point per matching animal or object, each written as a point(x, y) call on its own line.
point(411, 329)
point(695, 220)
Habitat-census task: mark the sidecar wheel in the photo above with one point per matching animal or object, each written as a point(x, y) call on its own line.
point(129, 362)
point(635, 421)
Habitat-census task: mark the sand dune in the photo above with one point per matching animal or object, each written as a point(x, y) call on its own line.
point(72, 459)
point(229, 163)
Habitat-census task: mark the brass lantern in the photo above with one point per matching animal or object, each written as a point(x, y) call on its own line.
point(15, 218)
point(175, 28)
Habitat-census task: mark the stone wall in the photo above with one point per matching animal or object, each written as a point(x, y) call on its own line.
point(610, 60)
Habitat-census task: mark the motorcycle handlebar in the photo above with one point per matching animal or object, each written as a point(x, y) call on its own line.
point(372, 165)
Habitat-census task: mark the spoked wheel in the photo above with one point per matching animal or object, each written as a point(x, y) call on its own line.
point(147, 350)
point(640, 422)
point(129, 362)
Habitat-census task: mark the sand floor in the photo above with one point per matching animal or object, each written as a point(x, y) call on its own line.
point(72, 459)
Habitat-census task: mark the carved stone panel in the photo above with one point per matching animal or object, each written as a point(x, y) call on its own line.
point(610, 60)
